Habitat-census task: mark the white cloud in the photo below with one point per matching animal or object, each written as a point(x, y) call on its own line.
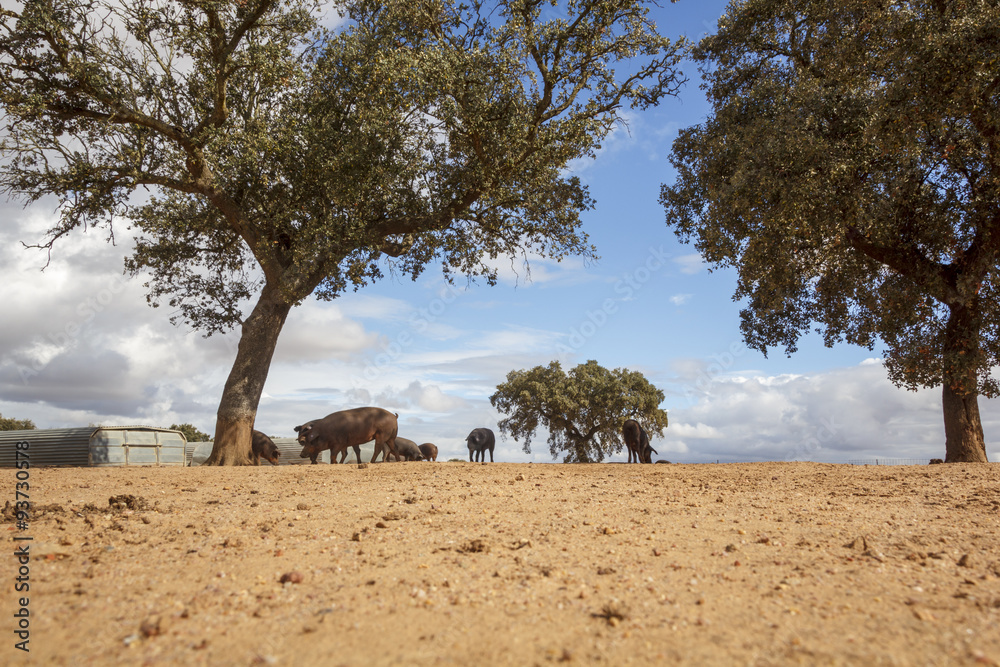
point(320, 331)
point(689, 264)
point(533, 269)
point(680, 299)
point(697, 431)
point(371, 306)
point(667, 131)
point(839, 415)
point(431, 399)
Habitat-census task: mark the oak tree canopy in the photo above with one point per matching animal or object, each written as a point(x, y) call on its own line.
point(850, 172)
point(583, 410)
point(262, 159)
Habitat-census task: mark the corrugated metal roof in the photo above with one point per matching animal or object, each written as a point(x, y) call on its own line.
point(137, 445)
point(48, 447)
point(138, 427)
point(290, 450)
point(95, 445)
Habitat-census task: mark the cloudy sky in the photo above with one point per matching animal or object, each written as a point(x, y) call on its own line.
point(80, 345)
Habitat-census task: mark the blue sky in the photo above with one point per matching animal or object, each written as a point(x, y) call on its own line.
point(83, 346)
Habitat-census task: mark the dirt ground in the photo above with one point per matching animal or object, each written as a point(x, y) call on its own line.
point(510, 564)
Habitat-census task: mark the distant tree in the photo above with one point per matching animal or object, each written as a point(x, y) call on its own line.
point(283, 161)
point(11, 424)
point(191, 433)
point(583, 410)
point(850, 172)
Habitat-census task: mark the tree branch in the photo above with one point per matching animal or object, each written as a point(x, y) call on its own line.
point(905, 260)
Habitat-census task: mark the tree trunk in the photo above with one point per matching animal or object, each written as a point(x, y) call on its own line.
point(582, 456)
point(238, 407)
point(964, 442)
point(963, 431)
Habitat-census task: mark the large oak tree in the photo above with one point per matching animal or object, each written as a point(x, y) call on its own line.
point(850, 172)
point(276, 160)
point(583, 410)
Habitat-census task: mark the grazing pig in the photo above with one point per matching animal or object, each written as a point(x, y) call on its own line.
point(407, 450)
point(646, 449)
point(430, 451)
point(263, 447)
point(637, 442)
point(348, 428)
point(479, 440)
point(357, 454)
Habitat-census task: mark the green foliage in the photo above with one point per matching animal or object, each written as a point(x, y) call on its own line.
point(255, 153)
point(277, 152)
point(191, 433)
point(11, 424)
point(850, 172)
point(583, 410)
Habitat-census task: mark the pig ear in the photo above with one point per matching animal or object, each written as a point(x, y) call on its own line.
point(296, 429)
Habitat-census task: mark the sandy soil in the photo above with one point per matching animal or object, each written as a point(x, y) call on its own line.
point(512, 564)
